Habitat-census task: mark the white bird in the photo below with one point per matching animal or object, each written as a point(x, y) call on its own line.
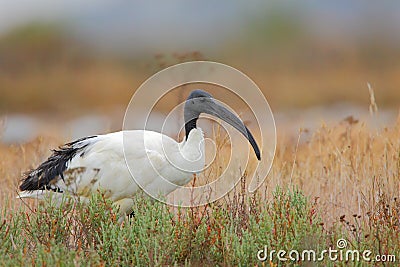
point(157, 162)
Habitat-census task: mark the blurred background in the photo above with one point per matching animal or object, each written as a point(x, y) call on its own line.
point(69, 68)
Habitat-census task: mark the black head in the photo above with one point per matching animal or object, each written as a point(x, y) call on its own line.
point(202, 102)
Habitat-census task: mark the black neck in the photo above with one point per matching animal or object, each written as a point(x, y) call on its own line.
point(190, 125)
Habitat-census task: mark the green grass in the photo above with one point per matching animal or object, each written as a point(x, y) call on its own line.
point(225, 233)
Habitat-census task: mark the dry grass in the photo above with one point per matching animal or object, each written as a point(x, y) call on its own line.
point(350, 174)
point(348, 167)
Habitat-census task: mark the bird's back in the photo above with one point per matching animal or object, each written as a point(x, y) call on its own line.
point(108, 163)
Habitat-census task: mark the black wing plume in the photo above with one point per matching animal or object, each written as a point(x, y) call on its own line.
point(41, 177)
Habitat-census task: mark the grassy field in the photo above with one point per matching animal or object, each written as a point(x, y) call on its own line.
point(340, 181)
point(343, 183)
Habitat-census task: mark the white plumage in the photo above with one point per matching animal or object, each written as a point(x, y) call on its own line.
point(156, 162)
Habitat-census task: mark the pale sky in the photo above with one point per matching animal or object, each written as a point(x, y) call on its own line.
point(191, 24)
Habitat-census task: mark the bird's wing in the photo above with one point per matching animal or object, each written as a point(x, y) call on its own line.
point(47, 175)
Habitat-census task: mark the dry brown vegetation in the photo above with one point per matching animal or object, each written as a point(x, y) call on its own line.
point(45, 71)
point(348, 168)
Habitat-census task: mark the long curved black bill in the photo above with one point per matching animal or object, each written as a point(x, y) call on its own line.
point(217, 110)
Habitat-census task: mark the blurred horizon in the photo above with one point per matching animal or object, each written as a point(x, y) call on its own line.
point(141, 26)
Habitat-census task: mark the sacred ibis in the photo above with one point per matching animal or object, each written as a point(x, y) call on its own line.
point(161, 164)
